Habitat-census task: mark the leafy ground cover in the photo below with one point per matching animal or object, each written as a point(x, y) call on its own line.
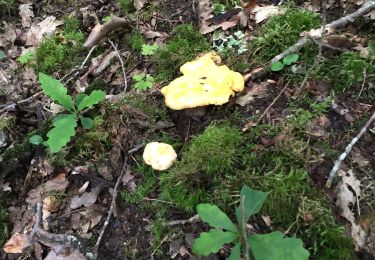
point(267, 153)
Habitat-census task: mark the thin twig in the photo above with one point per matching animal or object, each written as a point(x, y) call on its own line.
point(244, 230)
point(113, 204)
point(248, 125)
point(348, 149)
point(363, 83)
point(13, 105)
point(191, 220)
point(122, 65)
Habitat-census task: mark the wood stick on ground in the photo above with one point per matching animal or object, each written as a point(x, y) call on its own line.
point(122, 65)
point(123, 170)
point(348, 149)
point(366, 8)
point(101, 31)
point(250, 124)
point(13, 105)
point(49, 239)
point(191, 220)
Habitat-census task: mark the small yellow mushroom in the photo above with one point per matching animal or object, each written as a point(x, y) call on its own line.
point(203, 83)
point(160, 156)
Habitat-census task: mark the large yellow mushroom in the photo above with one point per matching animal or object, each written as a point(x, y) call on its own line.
point(160, 156)
point(203, 83)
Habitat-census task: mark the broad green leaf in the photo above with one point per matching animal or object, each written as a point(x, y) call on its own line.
point(143, 85)
point(235, 253)
point(277, 66)
point(2, 55)
point(36, 139)
point(26, 57)
point(56, 91)
point(139, 77)
point(86, 122)
point(275, 246)
point(253, 202)
point(88, 101)
point(80, 97)
point(212, 241)
point(291, 58)
point(150, 78)
point(60, 135)
point(371, 48)
point(107, 18)
point(212, 215)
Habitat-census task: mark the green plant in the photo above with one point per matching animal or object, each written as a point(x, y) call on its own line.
point(149, 49)
point(65, 124)
point(280, 32)
point(256, 245)
point(136, 41)
point(185, 44)
point(60, 52)
point(126, 6)
point(143, 82)
point(236, 42)
point(27, 57)
point(9, 5)
point(287, 60)
point(218, 8)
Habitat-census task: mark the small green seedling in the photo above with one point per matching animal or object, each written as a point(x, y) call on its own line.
point(26, 57)
point(107, 18)
point(2, 55)
point(148, 50)
point(288, 60)
point(64, 124)
point(218, 8)
point(260, 246)
point(143, 82)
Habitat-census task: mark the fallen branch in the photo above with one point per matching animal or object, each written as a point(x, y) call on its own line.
point(123, 170)
point(366, 8)
point(100, 31)
point(53, 240)
point(13, 105)
point(122, 65)
point(348, 149)
point(191, 220)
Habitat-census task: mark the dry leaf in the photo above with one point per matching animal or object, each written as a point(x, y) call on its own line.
point(37, 31)
point(138, 4)
point(256, 91)
point(86, 199)
point(16, 244)
point(262, 13)
point(26, 12)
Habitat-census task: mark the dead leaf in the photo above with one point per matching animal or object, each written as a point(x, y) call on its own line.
point(26, 12)
point(86, 199)
point(45, 28)
point(348, 192)
point(105, 172)
point(16, 244)
point(104, 63)
point(262, 13)
point(256, 91)
point(138, 4)
point(83, 188)
point(62, 255)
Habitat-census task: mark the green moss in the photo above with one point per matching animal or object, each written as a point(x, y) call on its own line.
point(4, 232)
point(209, 159)
point(60, 52)
point(127, 6)
point(136, 40)
point(71, 24)
point(185, 44)
point(8, 7)
point(346, 71)
point(280, 32)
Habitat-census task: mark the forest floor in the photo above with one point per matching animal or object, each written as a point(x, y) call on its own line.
point(282, 134)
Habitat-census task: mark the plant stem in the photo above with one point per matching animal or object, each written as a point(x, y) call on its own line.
point(244, 231)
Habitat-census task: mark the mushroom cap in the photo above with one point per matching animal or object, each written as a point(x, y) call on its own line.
point(160, 156)
point(203, 83)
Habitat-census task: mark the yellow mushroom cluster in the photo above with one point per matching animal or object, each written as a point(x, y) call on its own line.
point(203, 83)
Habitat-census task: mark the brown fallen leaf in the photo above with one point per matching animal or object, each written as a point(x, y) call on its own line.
point(26, 13)
point(256, 91)
point(138, 4)
point(16, 244)
point(262, 13)
point(37, 31)
point(86, 199)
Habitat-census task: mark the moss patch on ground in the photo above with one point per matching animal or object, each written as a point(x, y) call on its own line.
point(185, 44)
point(62, 51)
point(280, 32)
